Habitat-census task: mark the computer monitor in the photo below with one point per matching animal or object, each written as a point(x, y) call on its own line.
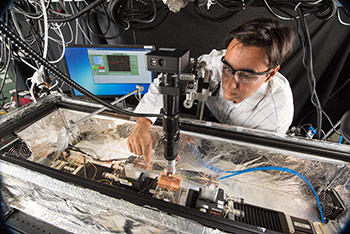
point(108, 70)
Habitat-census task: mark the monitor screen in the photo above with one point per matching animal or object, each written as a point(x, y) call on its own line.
point(107, 70)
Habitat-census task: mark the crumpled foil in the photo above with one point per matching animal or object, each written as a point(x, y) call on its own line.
point(14, 115)
point(276, 190)
point(80, 210)
point(105, 138)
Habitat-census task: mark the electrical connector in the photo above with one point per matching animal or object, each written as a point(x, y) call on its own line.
point(311, 132)
point(37, 77)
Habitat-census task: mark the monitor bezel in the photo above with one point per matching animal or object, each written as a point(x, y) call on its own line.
point(107, 46)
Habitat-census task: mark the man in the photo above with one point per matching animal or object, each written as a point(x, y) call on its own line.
point(249, 90)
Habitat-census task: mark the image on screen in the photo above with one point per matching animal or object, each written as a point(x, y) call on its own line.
point(108, 70)
point(119, 63)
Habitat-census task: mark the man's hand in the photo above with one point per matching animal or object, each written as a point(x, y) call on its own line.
point(140, 141)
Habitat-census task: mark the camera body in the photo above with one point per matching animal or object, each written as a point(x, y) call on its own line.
point(169, 60)
point(193, 77)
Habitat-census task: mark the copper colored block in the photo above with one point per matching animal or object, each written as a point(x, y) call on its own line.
point(170, 182)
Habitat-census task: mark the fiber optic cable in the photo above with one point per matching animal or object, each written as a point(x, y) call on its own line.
point(234, 173)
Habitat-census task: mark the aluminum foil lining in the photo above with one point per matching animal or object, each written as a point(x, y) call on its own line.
point(13, 116)
point(105, 137)
point(80, 210)
point(270, 135)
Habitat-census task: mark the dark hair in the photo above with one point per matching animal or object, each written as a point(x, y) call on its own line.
point(266, 33)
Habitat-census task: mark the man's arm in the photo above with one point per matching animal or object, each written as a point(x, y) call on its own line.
point(140, 141)
point(152, 102)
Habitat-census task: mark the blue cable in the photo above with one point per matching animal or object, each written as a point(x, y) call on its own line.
point(201, 159)
point(340, 139)
point(279, 169)
point(219, 170)
point(211, 167)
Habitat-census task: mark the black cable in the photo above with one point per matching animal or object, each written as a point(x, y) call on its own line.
point(108, 19)
point(308, 64)
point(6, 70)
point(202, 12)
point(76, 5)
point(311, 83)
point(19, 9)
point(51, 68)
point(331, 96)
point(337, 91)
point(278, 6)
point(29, 35)
point(75, 148)
point(130, 16)
point(149, 185)
point(88, 24)
point(327, 117)
point(79, 150)
point(300, 39)
point(68, 24)
point(35, 36)
point(331, 123)
point(302, 42)
point(3, 56)
point(231, 4)
point(146, 21)
point(82, 12)
point(86, 38)
point(109, 37)
point(6, 64)
point(16, 86)
point(323, 10)
point(48, 4)
point(102, 34)
point(153, 26)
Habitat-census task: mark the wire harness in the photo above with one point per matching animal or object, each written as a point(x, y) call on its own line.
point(51, 68)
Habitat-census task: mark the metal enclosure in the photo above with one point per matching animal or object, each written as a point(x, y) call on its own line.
point(79, 204)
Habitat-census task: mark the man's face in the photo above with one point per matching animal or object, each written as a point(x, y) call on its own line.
point(241, 85)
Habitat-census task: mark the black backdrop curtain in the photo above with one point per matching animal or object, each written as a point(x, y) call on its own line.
point(330, 42)
point(186, 29)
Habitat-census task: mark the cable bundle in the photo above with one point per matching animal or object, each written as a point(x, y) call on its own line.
point(57, 27)
point(202, 11)
point(322, 9)
point(234, 4)
point(135, 15)
point(4, 67)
